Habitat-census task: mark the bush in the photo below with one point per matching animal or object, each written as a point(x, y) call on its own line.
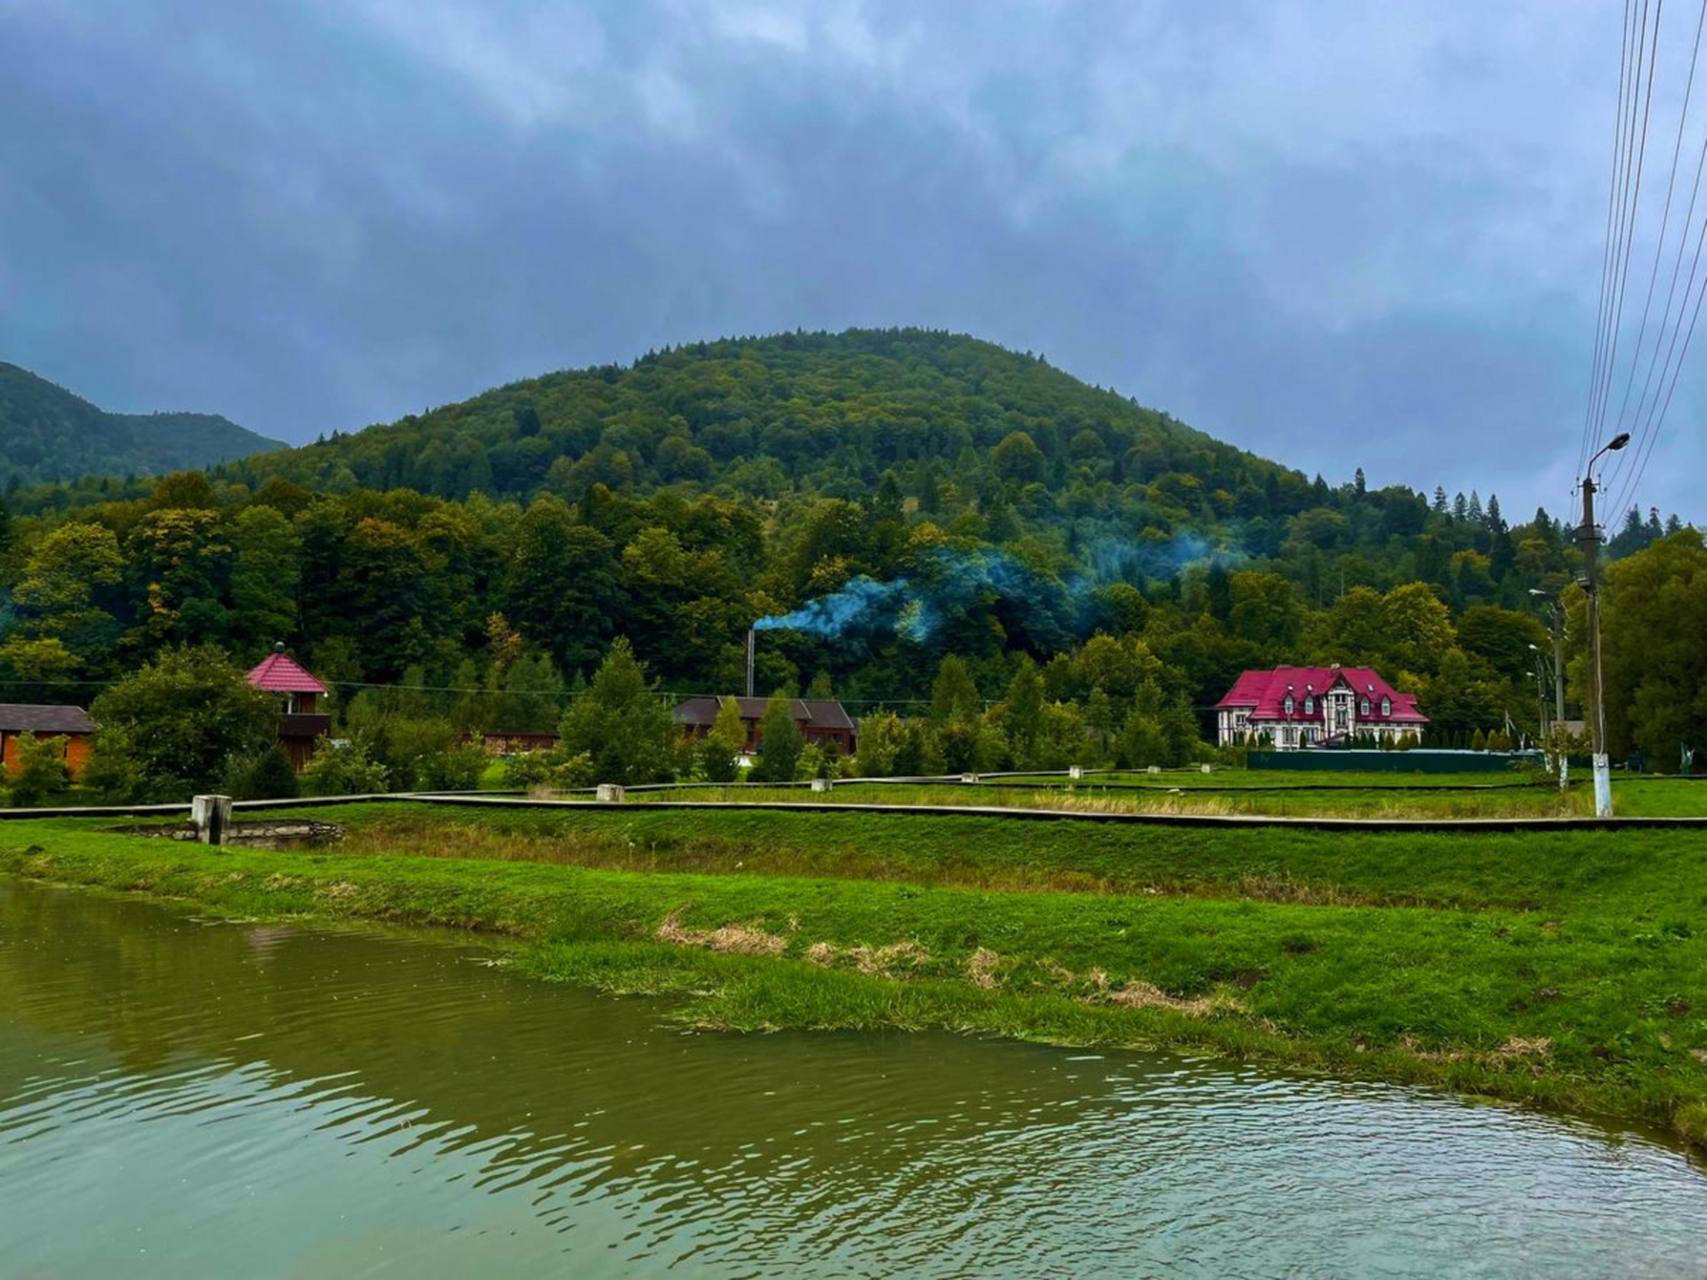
point(456, 768)
point(41, 775)
point(554, 770)
point(267, 775)
point(342, 771)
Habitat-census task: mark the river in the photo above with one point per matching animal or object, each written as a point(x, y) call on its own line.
point(181, 1097)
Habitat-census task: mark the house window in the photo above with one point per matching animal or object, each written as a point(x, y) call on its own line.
point(1289, 704)
point(1309, 706)
point(1363, 707)
point(1386, 706)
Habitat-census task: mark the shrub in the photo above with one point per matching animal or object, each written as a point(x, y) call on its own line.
point(267, 775)
point(342, 771)
point(455, 768)
point(41, 774)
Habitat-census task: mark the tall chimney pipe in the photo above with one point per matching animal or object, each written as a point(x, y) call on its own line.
point(752, 640)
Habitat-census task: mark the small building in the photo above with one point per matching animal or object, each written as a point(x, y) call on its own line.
point(302, 723)
point(823, 722)
point(500, 743)
point(46, 721)
point(1292, 707)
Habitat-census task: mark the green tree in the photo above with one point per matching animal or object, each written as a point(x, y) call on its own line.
point(264, 578)
point(65, 622)
point(726, 740)
point(880, 737)
point(1653, 628)
point(622, 723)
point(170, 730)
point(779, 742)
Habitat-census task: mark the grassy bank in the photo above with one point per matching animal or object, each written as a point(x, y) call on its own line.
point(1565, 969)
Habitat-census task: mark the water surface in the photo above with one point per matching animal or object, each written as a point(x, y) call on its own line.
point(183, 1098)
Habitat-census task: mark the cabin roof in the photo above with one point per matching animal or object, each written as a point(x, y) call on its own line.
point(44, 718)
point(819, 713)
point(1264, 692)
point(280, 673)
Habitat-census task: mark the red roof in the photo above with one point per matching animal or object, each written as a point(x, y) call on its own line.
point(1264, 692)
point(280, 673)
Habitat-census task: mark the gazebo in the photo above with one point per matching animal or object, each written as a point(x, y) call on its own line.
point(301, 722)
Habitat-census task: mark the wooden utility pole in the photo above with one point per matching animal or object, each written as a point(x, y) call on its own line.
point(1596, 706)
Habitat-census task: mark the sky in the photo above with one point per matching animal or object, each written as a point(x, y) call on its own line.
point(1337, 234)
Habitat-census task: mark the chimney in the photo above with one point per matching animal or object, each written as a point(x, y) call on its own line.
point(752, 640)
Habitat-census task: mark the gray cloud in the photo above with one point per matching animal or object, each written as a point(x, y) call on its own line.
point(1337, 234)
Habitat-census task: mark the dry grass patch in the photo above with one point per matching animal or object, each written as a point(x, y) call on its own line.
point(749, 939)
point(981, 968)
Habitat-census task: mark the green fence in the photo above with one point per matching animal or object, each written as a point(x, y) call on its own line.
point(1417, 760)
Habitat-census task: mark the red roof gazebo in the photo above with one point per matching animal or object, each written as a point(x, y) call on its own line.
point(301, 723)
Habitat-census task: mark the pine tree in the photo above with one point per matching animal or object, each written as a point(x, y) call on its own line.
point(1440, 507)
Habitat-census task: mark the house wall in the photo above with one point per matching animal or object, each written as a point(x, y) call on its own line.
point(77, 747)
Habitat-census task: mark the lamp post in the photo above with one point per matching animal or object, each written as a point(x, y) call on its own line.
point(1590, 538)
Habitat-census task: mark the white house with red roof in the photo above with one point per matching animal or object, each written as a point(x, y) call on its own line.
point(1292, 707)
point(301, 722)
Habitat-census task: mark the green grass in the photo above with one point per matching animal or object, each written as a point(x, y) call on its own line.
point(1568, 969)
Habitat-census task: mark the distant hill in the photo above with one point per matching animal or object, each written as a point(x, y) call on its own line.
point(49, 434)
point(820, 413)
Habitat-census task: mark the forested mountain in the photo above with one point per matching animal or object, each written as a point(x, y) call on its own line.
point(874, 500)
point(48, 434)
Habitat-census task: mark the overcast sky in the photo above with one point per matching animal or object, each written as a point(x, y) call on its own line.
point(1339, 234)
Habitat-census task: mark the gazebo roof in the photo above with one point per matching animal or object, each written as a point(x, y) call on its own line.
point(280, 673)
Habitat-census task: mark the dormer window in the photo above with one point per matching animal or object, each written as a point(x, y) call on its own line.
point(1309, 706)
point(1386, 706)
point(1363, 707)
point(1289, 704)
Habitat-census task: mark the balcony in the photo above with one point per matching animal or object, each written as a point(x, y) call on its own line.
point(305, 726)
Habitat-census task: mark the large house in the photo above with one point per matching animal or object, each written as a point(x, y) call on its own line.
point(1293, 707)
point(43, 722)
point(822, 722)
point(301, 722)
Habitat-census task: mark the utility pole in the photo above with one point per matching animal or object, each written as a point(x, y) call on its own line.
point(1596, 709)
point(1558, 621)
point(1591, 565)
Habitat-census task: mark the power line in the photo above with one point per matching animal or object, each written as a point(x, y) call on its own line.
point(1613, 230)
point(1665, 223)
point(1644, 409)
point(1629, 223)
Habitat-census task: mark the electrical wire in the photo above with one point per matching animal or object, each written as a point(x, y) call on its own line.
point(1636, 202)
point(1613, 230)
point(1644, 409)
point(1665, 223)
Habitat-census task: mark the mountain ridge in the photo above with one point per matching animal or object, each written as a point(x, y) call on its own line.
point(48, 434)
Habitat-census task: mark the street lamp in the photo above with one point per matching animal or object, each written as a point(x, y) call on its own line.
point(1597, 707)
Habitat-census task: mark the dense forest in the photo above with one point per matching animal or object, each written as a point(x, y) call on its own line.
point(49, 434)
point(876, 499)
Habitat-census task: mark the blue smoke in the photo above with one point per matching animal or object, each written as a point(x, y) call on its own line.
point(949, 585)
point(864, 604)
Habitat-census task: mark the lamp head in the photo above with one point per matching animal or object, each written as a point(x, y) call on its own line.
point(1619, 441)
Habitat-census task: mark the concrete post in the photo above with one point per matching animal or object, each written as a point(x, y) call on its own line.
point(211, 816)
point(822, 784)
point(969, 777)
point(1075, 773)
point(610, 793)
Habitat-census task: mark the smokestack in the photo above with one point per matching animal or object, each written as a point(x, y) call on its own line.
point(752, 640)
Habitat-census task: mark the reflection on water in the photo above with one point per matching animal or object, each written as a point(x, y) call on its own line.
point(189, 1099)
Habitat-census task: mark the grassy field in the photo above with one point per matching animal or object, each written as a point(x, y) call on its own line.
point(1567, 969)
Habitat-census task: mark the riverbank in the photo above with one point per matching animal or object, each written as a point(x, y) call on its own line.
point(1559, 969)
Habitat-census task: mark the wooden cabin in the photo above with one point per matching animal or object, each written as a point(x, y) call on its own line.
point(46, 721)
point(822, 721)
point(302, 722)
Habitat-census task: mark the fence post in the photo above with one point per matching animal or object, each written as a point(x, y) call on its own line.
point(211, 816)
